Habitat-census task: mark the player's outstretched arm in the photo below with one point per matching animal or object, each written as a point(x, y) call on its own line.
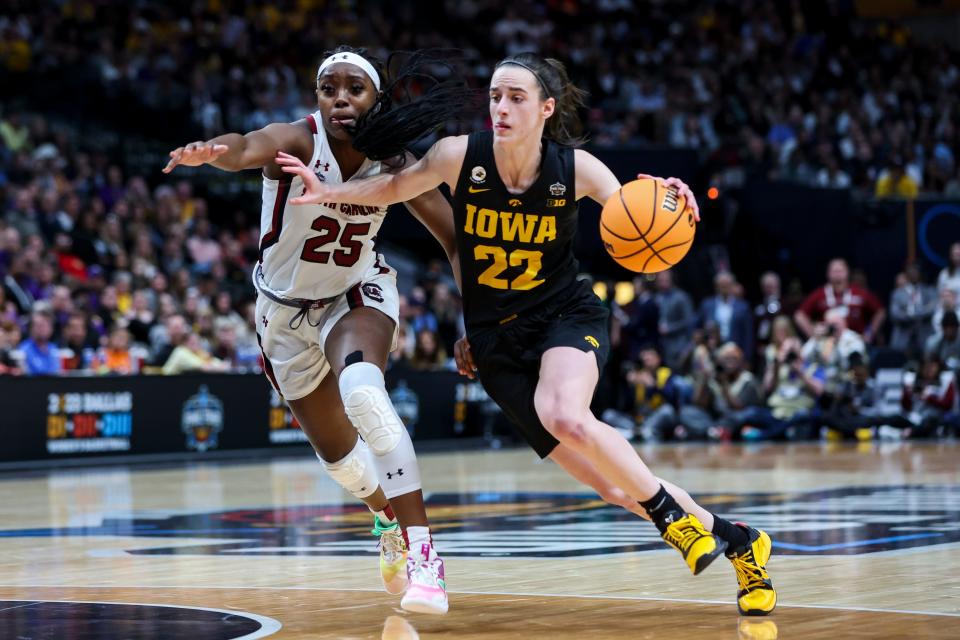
point(440, 164)
point(596, 181)
point(235, 151)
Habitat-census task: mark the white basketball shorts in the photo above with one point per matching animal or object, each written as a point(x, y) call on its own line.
point(293, 347)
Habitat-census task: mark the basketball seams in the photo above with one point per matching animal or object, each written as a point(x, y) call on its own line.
point(636, 253)
point(653, 218)
point(626, 210)
point(617, 235)
point(647, 244)
point(672, 225)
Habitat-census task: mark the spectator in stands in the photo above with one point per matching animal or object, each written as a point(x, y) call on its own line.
point(721, 392)
point(729, 312)
point(191, 356)
point(428, 353)
point(677, 319)
point(40, 356)
point(226, 348)
point(420, 315)
point(8, 308)
point(637, 322)
point(224, 313)
point(78, 343)
point(204, 250)
point(406, 337)
point(793, 387)
point(832, 344)
point(863, 311)
point(176, 330)
point(949, 277)
point(929, 397)
point(769, 309)
point(140, 318)
point(656, 396)
point(946, 346)
point(912, 305)
point(8, 364)
point(854, 405)
point(404, 345)
point(446, 307)
point(948, 304)
point(896, 182)
point(115, 357)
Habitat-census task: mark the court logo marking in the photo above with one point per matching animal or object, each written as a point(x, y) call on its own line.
point(843, 521)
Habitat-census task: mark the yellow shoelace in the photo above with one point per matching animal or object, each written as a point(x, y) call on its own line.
point(750, 575)
point(686, 536)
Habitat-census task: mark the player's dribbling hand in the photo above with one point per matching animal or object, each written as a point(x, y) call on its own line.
point(682, 188)
point(194, 155)
point(464, 358)
point(314, 191)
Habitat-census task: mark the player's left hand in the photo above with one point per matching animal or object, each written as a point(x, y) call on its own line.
point(682, 188)
point(464, 358)
point(314, 191)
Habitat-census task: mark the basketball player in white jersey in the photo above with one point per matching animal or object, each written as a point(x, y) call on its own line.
point(328, 303)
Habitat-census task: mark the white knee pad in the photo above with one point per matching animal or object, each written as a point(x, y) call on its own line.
point(355, 472)
point(369, 408)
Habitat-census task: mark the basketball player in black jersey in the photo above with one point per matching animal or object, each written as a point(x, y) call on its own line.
point(538, 337)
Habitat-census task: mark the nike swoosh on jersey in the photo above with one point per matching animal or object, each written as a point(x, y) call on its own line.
point(475, 190)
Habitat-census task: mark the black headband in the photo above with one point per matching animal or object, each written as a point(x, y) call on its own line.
point(543, 85)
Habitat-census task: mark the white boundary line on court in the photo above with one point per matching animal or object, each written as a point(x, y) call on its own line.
point(472, 593)
point(268, 626)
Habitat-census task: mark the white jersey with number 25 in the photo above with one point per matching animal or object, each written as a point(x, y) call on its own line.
point(315, 251)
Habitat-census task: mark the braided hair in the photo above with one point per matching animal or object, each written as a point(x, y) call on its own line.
point(423, 93)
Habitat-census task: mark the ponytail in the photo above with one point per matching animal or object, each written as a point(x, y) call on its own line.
point(564, 126)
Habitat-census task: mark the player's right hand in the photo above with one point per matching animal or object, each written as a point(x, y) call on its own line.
point(464, 358)
point(314, 191)
point(195, 154)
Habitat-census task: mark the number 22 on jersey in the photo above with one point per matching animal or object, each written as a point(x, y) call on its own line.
point(501, 260)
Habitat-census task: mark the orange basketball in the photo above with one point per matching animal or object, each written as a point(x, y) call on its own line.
point(646, 227)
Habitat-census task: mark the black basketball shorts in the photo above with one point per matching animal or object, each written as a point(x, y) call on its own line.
point(508, 356)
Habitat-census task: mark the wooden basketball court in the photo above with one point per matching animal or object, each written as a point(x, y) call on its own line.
point(866, 542)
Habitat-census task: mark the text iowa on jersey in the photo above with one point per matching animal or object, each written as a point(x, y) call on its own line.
point(510, 225)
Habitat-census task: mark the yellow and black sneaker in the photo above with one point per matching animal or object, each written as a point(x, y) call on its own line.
point(698, 546)
point(755, 593)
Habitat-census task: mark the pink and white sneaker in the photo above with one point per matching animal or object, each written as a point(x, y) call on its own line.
point(426, 588)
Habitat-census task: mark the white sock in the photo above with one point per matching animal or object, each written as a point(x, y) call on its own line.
point(418, 536)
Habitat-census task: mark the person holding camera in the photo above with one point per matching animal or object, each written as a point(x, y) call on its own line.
point(946, 346)
point(930, 399)
point(721, 394)
point(793, 386)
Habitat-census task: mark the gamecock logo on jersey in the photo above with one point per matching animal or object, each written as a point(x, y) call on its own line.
point(373, 291)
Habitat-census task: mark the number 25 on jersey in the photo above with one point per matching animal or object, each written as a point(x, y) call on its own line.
point(330, 231)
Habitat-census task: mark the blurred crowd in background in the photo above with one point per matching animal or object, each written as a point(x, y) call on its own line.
point(779, 88)
point(107, 269)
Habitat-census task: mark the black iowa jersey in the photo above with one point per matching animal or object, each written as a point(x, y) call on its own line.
point(516, 250)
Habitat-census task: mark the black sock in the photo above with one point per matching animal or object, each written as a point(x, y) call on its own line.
point(663, 509)
point(735, 536)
